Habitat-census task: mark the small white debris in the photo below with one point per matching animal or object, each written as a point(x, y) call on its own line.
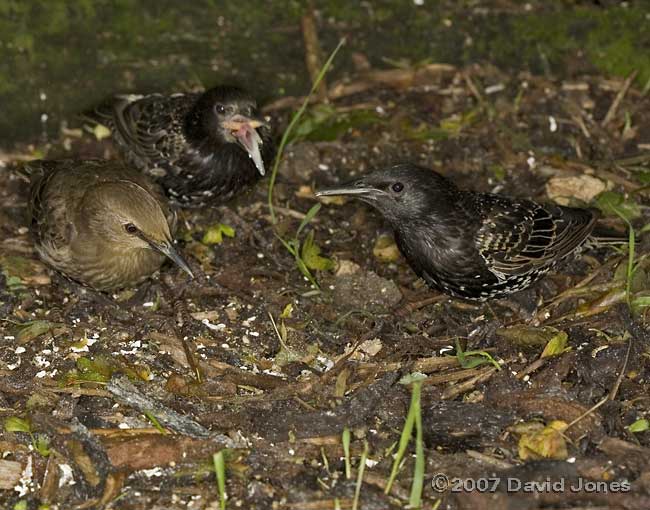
point(10, 337)
point(531, 162)
point(25, 484)
point(323, 166)
point(41, 374)
point(552, 124)
point(157, 471)
point(571, 460)
point(123, 426)
point(67, 476)
point(148, 304)
point(214, 327)
point(20, 349)
point(493, 89)
point(370, 463)
point(40, 361)
point(418, 2)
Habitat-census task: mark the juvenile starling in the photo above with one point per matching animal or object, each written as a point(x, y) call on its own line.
point(471, 245)
point(99, 222)
point(203, 148)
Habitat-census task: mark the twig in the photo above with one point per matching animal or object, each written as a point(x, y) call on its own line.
point(611, 113)
point(619, 379)
point(313, 53)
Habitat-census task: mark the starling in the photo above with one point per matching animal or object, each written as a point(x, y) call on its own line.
point(475, 246)
point(100, 223)
point(203, 148)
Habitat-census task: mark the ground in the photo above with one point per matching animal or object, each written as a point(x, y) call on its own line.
point(122, 401)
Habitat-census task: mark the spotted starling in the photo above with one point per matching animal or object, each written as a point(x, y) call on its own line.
point(471, 245)
point(203, 148)
point(99, 222)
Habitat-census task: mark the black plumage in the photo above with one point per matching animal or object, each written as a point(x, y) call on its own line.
point(471, 245)
point(203, 148)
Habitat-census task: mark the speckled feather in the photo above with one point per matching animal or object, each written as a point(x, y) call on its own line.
point(161, 135)
point(471, 245)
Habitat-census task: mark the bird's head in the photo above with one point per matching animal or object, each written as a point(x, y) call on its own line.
point(128, 217)
point(400, 192)
point(229, 115)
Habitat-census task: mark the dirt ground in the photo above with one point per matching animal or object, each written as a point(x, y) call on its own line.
point(121, 401)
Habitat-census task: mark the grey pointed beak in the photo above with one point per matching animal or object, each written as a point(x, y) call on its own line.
point(168, 250)
point(358, 188)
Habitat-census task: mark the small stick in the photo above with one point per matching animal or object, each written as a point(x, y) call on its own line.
point(313, 52)
point(611, 113)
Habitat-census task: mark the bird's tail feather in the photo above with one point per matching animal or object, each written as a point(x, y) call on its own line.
point(605, 236)
point(103, 113)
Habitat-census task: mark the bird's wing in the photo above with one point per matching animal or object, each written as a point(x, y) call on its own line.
point(151, 127)
point(518, 236)
point(49, 217)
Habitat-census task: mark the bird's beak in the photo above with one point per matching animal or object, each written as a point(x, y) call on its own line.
point(244, 129)
point(168, 250)
point(356, 189)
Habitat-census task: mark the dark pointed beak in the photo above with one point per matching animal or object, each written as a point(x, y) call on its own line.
point(244, 129)
point(356, 189)
point(168, 250)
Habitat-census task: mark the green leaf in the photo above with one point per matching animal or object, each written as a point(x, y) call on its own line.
point(615, 204)
point(310, 254)
point(308, 217)
point(288, 310)
point(215, 233)
point(16, 424)
point(41, 444)
point(556, 345)
point(31, 330)
point(641, 301)
point(639, 426)
point(471, 359)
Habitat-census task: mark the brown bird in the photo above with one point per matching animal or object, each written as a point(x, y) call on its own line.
point(99, 222)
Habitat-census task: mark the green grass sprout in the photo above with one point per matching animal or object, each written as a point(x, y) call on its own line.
point(292, 124)
point(360, 471)
point(413, 419)
point(345, 439)
point(219, 462)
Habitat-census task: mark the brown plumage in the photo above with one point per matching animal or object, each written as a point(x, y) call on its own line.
point(99, 222)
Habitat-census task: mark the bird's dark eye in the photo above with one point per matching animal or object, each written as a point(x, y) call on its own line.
point(130, 228)
point(397, 187)
point(220, 109)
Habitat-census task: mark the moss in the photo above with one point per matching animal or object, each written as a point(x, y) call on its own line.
point(80, 51)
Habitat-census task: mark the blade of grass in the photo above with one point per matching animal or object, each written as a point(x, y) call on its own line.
point(308, 217)
point(362, 468)
point(220, 471)
point(346, 451)
point(415, 501)
point(403, 444)
point(294, 120)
